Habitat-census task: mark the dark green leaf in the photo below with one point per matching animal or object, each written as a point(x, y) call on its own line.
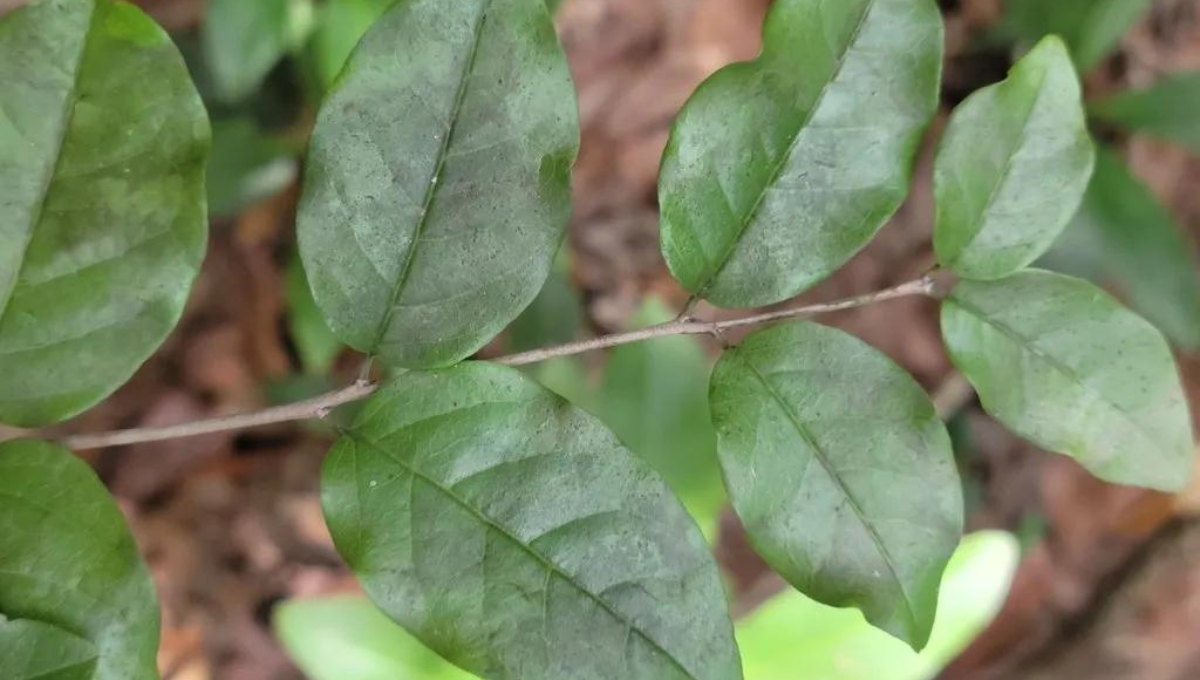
point(247, 166)
point(555, 315)
point(102, 149)
point(347, 638)
point(317, 346)
point(1123, 235)
point(841, 472)
point(1168, 110)
point(244, 39)
point(1092, 28)
point(514, 535)
point(339, 26)
point(654, 399)
point(1012, 167)
point(779, 170)
point(67, 561)
point(33, 650)
point(1064, 365)
point(438, 182)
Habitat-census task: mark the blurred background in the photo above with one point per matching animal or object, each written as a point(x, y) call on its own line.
point(1065, 577)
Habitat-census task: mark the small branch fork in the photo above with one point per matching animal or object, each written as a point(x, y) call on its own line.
point(319, 407)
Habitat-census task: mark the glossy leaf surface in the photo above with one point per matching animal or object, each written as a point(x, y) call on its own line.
point(1012, 167)
point(779, 170)
point(514, 535)
point(102, 218)
point(841, 472)
point(438, 180)
point(1062, 364)
point(68, 563)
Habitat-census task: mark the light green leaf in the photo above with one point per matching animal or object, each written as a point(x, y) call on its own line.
point(247, 166)
point(244, 39)
point(33, 650)
point(347, 638)
point(555, 314)
point(67, 562)
point(339, 26)
point(1123, 235)
point(438, 181)
point(317, 346)
point(793, 633)
point(654, 399)
point(1092, 28)
point(514, 535)
point(779, 170)
point(103, 141)
point(841, 472)
point(1012, 167)
point(1062, 364)
point(1168, 110)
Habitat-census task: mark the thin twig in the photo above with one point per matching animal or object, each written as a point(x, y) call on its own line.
point(319, 407)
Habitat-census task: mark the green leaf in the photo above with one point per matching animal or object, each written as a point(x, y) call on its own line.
point(347, 638)
point(67, 562)
point(555, 314)
point(654, 399)
point(792, 632)
point(247, 166)
point(1168, 110)
point(244, 39)
point(1012, 167)
point(1125, 236)
point(102, 148)
point(1064, 365)
point(339, 26)
point(841, 472)
point(780, 169)
point(514, 535)
point(33, 650)
point(1092, 28)
point(438, 181)
point(317, 346)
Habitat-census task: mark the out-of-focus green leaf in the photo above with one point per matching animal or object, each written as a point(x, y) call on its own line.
point(348, 638)
point(1168, 110)
point(244, 39)
point(515, 535)
point(568, 378)
point(841, 472)
point(1091, 28)
point(103, 141)
point(437, 188)
point(33, 650)
point(247, 166)
point(67, 560)
point(655, 399)
point(793, 637)
point(1064, 365)
point(317, 346)
point(339, 26)
point(780, 169)
point(1124, 236)
point(1012, 167)
point(555, 314)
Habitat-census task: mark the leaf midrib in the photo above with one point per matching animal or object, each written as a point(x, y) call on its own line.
point(1027, 345)
point(822, 458)
point(704, 287)
point(504, 532)
point(431, 187)
point(68, 117)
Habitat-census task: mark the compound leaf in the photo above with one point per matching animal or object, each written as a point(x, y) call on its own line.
point(72, 584)
point(841, 472)
point(1012, 167)
point(103, 141)
point(1064, 365)
point(438, 180)
point(514, 535)
point(778, 170)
